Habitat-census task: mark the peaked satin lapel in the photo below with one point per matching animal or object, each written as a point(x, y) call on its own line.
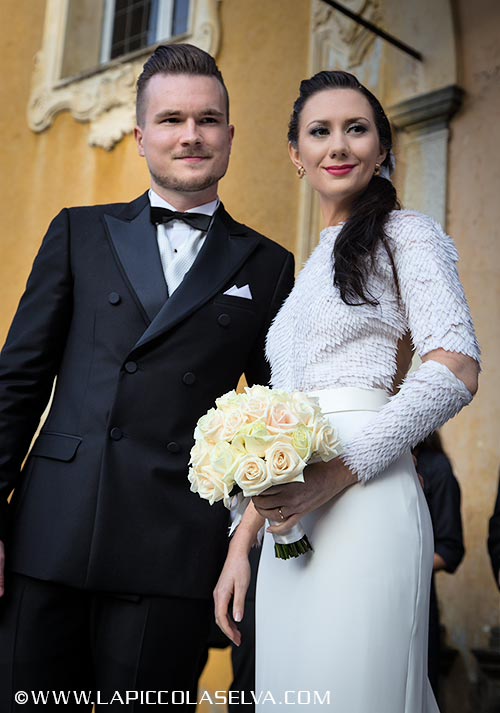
point(226, 248)
point(136, 247)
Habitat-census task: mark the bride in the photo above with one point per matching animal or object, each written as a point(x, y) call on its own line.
point(344, 628)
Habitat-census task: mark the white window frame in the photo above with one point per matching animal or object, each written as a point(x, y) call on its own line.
point(105, 97)
point(162, 29)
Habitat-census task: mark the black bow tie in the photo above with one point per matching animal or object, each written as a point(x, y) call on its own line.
point(198, 221)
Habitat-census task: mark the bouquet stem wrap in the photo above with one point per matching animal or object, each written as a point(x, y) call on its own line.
point(293, 544)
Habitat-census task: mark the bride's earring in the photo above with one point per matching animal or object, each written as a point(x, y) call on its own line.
point(376, 171)
point(301, 172)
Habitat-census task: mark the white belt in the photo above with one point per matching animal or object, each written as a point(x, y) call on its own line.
point(350, 398)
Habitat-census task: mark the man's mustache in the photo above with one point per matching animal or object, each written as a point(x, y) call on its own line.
point(193, 154)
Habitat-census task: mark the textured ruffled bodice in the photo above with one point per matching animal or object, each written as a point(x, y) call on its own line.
point(317, 341)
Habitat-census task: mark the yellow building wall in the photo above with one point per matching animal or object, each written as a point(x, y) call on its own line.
point(56, 168)
point(470, 601)
point(263, 55)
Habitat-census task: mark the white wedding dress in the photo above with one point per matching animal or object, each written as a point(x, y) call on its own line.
point(344, 628)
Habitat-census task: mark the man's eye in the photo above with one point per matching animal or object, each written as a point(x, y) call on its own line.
point(209, 120)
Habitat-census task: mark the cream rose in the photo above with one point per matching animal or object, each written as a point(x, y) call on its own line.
point(302, 441)
point(284, 463)
point(306, 407)
point(223, 459)
point(257, 402)
point(208, 484)
point(281, 418)
point(200, 453)
point(252, 475)
point(253, 439)
point(234, 420)
point(228, 401)
point(209, 426)
point(326, 443)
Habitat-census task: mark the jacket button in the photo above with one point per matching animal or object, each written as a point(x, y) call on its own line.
point(114, 298)
point(131, 367)
point(189, 378)
point(173, 447)
point(116, 433)
point(224, 320)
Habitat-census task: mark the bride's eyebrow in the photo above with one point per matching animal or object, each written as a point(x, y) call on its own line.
point(352, 120)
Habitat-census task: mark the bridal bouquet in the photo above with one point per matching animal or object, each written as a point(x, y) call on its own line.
point(256, 439)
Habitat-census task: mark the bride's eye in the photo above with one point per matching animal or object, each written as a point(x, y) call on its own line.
point(357, 129)
point(319, 131)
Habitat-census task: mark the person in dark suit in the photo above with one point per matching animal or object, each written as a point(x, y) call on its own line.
point(145, 312)
point(442, 492)
point(494, 538)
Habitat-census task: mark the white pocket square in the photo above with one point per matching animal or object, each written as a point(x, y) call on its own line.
point(239, 292)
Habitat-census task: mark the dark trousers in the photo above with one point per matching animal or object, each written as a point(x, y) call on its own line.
point(55, 638)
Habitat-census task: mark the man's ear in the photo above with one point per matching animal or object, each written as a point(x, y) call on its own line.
point(138, 140)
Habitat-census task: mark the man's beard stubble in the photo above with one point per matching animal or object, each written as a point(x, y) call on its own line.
point(193, 185)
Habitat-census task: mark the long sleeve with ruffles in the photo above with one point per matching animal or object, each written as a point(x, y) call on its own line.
point(319, 342)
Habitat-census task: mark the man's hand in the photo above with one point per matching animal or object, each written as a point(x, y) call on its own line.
point(286, 504)
point(2, 569)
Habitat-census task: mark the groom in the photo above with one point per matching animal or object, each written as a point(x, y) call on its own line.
point(145, 312)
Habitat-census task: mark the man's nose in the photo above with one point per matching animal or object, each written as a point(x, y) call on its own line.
point(190, 132)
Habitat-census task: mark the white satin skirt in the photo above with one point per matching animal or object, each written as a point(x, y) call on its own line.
point(344, 628)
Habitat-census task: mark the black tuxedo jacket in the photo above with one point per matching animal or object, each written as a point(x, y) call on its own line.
point(103, 502)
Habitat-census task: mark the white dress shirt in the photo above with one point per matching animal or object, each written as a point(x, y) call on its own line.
point(179, 243)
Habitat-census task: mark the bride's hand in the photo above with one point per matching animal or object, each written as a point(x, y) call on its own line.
point(233, 583)
point(286, 504)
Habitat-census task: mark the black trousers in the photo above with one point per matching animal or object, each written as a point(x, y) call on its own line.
point(57, 639)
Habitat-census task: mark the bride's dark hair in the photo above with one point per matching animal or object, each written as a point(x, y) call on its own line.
point(359, 237)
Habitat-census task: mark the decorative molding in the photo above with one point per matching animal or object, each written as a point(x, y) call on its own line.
point(106, 96)
point(434, 109)
point(423, 122)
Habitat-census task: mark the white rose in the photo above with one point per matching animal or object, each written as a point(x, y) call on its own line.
point(209, 426)
point(252, 475)
point(302, 441)
point(257, 402)
point(200, 453)
point(228, 401)
point(234, 420)
point(223, 459)
point(281, 418)
point(208, 484)
point(253, 439)
point(284, 463)
point(326, 443)
point(306, 407)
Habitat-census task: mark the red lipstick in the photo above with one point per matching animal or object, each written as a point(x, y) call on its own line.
point(341, 170)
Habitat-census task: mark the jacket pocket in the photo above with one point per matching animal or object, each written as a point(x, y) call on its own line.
point(59, 446)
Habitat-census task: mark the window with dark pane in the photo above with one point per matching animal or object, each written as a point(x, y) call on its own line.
point(140, 23)
point(131, 26)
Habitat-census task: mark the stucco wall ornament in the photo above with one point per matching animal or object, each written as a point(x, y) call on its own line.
point(105, 97)
point(349, 40)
